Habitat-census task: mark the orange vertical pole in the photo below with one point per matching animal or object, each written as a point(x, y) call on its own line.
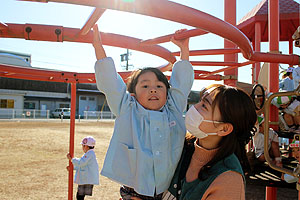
point(253, 65)
point(273, 27)
point(72, 131)
point(291, 48)
point(298, 190)
point(230, 17)
point(257, 48)
point(271, 193)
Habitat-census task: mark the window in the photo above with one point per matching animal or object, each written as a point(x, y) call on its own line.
point(64, 105)
point(82, 98)
point(29, 105)
point(91, 98)
point(7, 103)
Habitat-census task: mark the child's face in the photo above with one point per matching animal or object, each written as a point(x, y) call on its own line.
point(150, 92)
point(85, 148)
point(284, 105)
point(296, 153)
point(261, 128)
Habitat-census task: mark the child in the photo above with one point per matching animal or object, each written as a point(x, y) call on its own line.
point(296, 154)
point(287, 83)
point(273, 142)
point(149, 129)
point(87, 170)
point(290, 108)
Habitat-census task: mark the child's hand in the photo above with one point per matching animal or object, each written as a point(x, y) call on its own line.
point(97, 43)
point(96, 36)
point(68, 168)
point(183, 44)
point(69, 156)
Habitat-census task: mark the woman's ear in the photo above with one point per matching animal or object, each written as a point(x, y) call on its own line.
point(225, 129)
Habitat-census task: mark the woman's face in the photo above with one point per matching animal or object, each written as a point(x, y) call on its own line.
point(204, 107)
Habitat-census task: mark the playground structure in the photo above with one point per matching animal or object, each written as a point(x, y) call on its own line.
point(236, 42)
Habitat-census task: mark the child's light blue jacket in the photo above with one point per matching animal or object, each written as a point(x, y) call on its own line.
point(87, 170)
point(146, 145)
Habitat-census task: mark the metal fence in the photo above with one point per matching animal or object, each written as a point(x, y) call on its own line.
point(24, 113)
point(45, 114)
point(98, 115)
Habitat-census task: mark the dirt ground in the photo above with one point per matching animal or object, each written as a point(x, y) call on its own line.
point(33, 161)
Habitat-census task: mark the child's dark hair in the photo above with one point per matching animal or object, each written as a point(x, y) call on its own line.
point(133, 79)
point(91, 147)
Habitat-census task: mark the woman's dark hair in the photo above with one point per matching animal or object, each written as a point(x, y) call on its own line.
point(237, 108)
point(133, 79)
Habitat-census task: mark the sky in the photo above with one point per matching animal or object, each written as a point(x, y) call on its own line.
point(80, 57)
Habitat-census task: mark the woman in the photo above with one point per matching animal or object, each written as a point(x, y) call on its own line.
point(214, 156)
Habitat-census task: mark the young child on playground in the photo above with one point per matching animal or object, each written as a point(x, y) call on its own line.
point(295, 146)
point(273, 142)
point(149, 128)
point(87, 170)
point(290, 108)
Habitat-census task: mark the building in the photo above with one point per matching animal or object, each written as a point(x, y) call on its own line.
point(41, 95)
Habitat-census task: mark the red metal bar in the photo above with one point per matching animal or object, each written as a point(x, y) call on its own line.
point(216, 77)
point(227, 68)
point(253, 65)
point(273, 25)
point(247, 63)
point(10, 71)
point(93, 18)
point(201, 71)
point(291, 47)
point(210, 52)
point(48, 33)
point(72, 131)
point(208, 63)
point(230, 17)
point(178, 13)
point(271, 193)
point(3, 26)
point(275, 58)
point(274, 47)
point(167, 38)
point(274, 42)
point(257, 48)
point(171, 11)
point(298, 190)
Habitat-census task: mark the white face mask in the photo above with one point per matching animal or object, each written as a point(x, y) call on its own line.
point(193, 119)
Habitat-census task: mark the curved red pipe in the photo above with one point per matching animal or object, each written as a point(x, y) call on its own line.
point(182, 14)
point(49, 33)
point(167, 38)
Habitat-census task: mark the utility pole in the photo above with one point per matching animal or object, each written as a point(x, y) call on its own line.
point(125, 57)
